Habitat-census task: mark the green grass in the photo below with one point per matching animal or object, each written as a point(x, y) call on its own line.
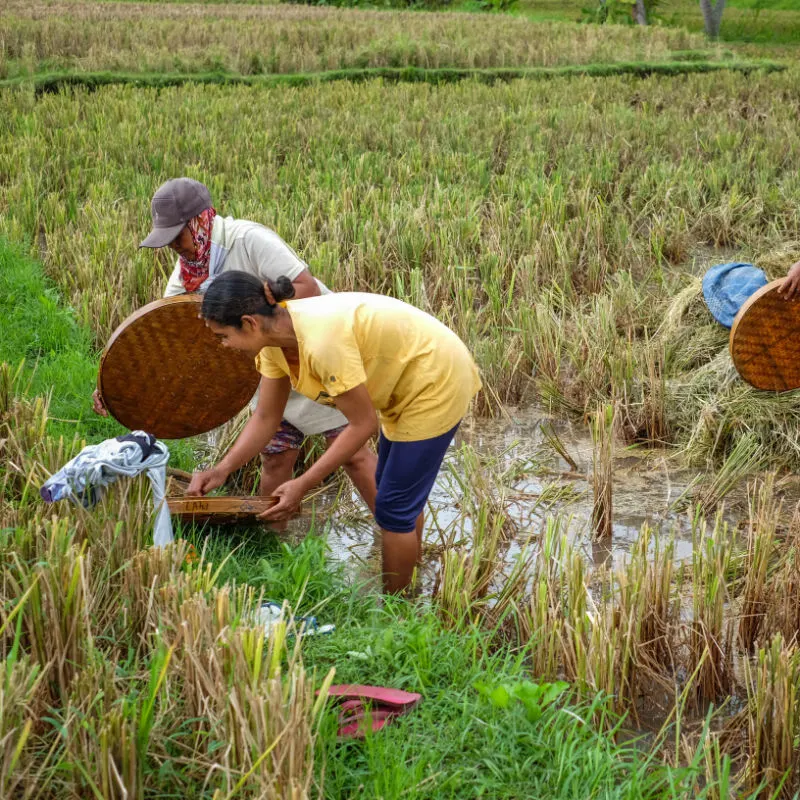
point(457, 743)
point(772, 25)
point(58, 354)
point(766, 5)
point(57, 81)
point(769, 29)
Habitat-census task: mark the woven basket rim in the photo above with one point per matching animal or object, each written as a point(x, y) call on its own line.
point(770, 369)
point(145, 384)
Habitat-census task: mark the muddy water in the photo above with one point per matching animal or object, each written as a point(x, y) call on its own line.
point(534, 483)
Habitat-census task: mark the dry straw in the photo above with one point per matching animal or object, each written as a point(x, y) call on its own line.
point(87, 594)
point(140, 659)
point(252, 39)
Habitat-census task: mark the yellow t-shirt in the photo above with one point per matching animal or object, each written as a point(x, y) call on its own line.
point(418, 373)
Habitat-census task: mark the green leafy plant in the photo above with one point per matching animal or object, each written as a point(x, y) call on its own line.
point(617, 12)
point(495, 5)
point(535, 697)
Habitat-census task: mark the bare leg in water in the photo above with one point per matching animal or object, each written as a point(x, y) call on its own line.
point(402, 553)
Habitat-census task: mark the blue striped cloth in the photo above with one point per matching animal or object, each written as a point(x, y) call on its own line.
point(727, 286)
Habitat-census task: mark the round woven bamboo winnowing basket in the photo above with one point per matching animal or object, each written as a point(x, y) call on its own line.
point(163, 371)
point(765, 340)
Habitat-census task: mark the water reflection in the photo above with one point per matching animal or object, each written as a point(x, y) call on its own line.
point(535, 483)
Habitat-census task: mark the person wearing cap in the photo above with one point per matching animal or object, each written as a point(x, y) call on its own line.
point(208, 245)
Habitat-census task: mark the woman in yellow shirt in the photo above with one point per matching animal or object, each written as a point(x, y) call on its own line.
point(361, 353)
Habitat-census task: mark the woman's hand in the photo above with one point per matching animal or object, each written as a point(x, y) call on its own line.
point(97, 404)
point(204, 482)
point(790, 287)
point(290, 495)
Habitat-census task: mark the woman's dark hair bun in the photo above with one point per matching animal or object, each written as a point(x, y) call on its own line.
point(282, 289)
point(235, 294)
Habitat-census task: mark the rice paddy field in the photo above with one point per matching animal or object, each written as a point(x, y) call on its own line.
point(251, 39)
point(608, 606)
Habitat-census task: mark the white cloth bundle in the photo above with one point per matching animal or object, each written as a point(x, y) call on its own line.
point(83, 479)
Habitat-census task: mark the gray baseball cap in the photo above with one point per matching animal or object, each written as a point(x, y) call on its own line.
point(173, 205)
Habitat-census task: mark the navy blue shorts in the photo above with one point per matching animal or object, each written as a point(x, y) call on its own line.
point(405, 476)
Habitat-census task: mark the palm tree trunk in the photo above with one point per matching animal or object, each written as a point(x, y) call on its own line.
point(712, 16)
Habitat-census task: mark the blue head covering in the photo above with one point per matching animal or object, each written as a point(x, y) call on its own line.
point(727, 286)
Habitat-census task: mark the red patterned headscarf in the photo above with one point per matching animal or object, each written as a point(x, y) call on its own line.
point(194, 272)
